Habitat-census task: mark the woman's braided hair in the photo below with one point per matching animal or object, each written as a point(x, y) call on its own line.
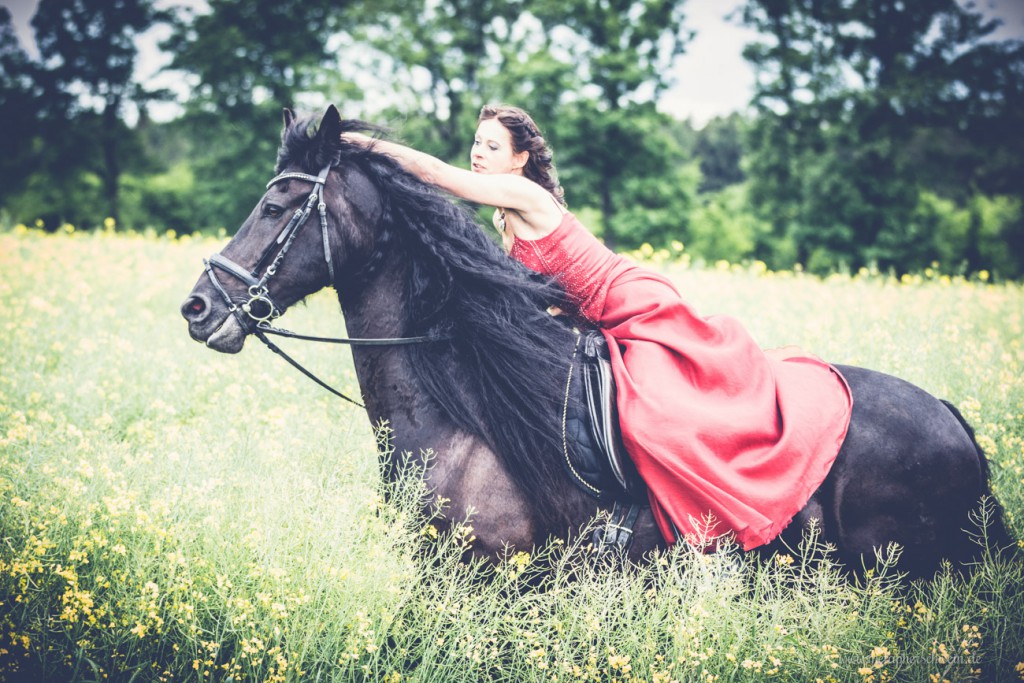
point(526, 137)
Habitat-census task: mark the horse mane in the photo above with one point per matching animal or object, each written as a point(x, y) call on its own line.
point(512, 358)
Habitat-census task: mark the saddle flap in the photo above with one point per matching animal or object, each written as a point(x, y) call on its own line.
point(600, 454)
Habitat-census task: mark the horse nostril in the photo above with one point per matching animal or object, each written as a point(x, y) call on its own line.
point(194, 308)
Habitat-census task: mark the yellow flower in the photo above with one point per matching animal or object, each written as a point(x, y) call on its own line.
point(620, 663)
point(880, 653)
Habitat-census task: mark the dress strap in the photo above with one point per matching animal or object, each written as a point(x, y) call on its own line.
point(561, 207)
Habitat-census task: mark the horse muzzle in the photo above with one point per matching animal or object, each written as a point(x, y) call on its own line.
point(222, 333)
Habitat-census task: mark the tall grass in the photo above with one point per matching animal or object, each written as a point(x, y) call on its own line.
point(169, 514)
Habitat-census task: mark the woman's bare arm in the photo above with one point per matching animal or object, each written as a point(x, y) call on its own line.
point(540, 215)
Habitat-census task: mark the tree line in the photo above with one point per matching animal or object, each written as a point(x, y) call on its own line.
point(881, 132)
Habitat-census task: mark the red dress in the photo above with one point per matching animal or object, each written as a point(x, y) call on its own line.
point(718, 430)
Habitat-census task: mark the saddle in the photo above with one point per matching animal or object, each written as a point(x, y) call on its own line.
point(595, 456)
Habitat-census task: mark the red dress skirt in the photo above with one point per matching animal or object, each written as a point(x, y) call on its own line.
point(727, 438)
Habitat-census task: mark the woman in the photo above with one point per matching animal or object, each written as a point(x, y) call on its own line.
point(729, 439)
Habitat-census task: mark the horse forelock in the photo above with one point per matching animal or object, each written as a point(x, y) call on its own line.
point(501, 375)
point(303, 148)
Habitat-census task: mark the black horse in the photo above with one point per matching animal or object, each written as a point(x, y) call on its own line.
point(483, 388)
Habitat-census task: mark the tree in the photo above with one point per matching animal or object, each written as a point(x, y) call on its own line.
point(247, 53)
point(440, 61)
point(846, 92)
point(719, 146)
point(588, 72)
point(19, 104)
point(623, 50)
point(250, 60)
point(88, 49)
point(656, 194)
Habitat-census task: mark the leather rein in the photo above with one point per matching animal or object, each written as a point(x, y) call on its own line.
point(261, 309)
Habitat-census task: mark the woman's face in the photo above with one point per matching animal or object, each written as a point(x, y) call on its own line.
point(492, 150)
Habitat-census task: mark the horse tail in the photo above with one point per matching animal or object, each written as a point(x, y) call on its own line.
point(997, 533)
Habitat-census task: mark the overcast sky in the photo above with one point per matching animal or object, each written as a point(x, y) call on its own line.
point(711, 78)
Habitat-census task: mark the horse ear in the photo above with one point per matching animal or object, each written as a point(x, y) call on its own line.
point(289, 117)
point(330, 124)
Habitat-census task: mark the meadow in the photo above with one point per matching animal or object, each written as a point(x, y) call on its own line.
point(168, 513)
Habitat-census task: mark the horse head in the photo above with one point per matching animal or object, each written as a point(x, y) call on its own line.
point(314, 220)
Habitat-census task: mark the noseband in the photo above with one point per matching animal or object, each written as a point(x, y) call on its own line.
point(261, 309)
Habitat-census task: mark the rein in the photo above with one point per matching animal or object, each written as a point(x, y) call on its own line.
point(261, 309)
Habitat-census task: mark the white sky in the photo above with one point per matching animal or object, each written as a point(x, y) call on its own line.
point(711, 78)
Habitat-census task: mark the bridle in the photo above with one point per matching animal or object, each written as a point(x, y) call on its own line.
point(261, 309)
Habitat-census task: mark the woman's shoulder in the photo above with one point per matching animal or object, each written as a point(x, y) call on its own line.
point(567, 224)
point(538, 213)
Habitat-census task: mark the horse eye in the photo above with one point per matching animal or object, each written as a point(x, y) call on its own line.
point(272, 211)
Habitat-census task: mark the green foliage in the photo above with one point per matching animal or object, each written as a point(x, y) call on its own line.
point(441, 60)
point(236, 161)
point(658, 210)
point(166, 197)
point(628, 164)
point(862, 106)
point(19, 95)
point(251, 60)
point(984, 225)
point(610, 131)
point(248, 53)
point(624, 48)
point(720, 147)
point(588, 73)
point(880, 126)
point(722, 227)
point(87, 47)
point(91, 44)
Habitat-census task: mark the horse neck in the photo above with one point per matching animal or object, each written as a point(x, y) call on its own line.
point(386, 376)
